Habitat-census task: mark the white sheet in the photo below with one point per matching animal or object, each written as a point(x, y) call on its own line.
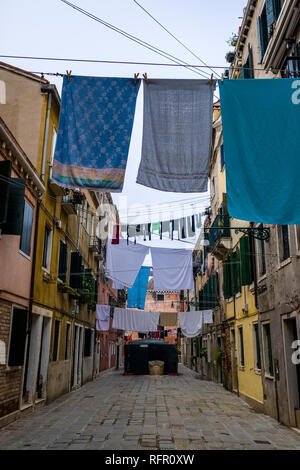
point(135, 320)
point(191, 322)
point(102, 317)
point(172, 269)
point(123, 261)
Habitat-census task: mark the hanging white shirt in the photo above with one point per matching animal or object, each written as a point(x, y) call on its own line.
point(172, 269)
point(135, 320)
point(123, 261)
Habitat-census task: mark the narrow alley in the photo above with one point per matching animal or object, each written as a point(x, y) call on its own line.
point(117, 412)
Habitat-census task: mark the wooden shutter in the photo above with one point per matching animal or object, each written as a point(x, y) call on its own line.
point(226, 280)
point(17, 337)
point(235, 272)
point(63, 254)
point(15, 207)
point(246, 265)
point(5, 172)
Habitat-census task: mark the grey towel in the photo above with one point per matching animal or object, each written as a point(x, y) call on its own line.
point(176, 135)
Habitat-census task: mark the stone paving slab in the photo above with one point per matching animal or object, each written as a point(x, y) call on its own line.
point(148, 412)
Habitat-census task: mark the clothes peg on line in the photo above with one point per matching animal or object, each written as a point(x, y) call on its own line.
point(135, 77)
point(146, 78)
point(211, 81)
point(69, 75)
point(222, 78)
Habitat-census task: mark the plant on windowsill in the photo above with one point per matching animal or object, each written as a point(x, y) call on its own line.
point(74, 294)
point(218, 359)
point(63, 287)
point(203, 352)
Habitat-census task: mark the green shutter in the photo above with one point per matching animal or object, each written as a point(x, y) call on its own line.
point(250, 62)
point(246, 268)
point(262, 31)
point(226, 279)
point(273, 8)
point(5, 171)
point(15, 207)
point(235, 272)
point(76, 271)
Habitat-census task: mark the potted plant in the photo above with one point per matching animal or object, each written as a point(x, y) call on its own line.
point(203, 352)
point(63, 287)
point(218, 359)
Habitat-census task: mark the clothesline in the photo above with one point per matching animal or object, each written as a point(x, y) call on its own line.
point(119, 62)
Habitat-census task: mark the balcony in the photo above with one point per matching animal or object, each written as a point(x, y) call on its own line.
point(95, 244)
point(219, 238)
point(68, 205)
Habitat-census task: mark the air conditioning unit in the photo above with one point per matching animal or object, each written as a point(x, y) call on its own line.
point(58, 223)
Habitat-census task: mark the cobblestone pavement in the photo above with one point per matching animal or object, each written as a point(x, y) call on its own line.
point(117, 412)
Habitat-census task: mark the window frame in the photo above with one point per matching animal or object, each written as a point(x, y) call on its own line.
point(280, 244)
point(256, 342)
point(160, 300)
point(15, 367)
point(241, 347)
point(266, 356)
point(27, 255)
point(58, 341)
point(49, 248)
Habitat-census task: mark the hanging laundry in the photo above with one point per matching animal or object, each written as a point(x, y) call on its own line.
point(102, 317)
point(135, 320)
point(117, 285)
point(261, 140)
point(166, 227)
point(123, 261)
point(191, 323)
point(176, 135)
point(198, 220)
point(172, 269)
point(183, 227)
point(168, 319)
point(94, 132)
point(207, 316)
point(191, 229)
point(156, 227)
point(136, 295)
point(116, 235)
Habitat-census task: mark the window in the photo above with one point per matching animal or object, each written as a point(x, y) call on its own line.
point(262, 30)
point(67, 346)
point(297, 232)
point(160, 297)
point(47, 247)
point(284, 244)
point(54, 137)
point(87, 342)
point(17, 337)
point(25, 242)
point(241, 347)
point(267, 347)
point(261, 255)
point(63, 258)
point(257, 358)
point(222, 156)
point(55, 341)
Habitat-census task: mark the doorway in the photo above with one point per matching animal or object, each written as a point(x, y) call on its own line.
point(291, 334)
point(234, 361)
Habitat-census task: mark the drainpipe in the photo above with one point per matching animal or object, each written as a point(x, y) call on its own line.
point(46, 134)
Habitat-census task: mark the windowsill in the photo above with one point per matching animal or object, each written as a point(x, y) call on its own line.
point(242, 368)
point(284, 263)
point(257, 371)
point(13, 368)
point(269, 377)
point(238, 295)
point(46, 270)
point(25, 256)
point(262, 278)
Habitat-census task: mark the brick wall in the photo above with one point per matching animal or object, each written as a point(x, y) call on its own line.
point(10, 380)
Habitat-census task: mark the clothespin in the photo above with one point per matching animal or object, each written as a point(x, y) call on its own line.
point(211, 79)
point(69, 75)
point(222, 78)
point(135, 77)
point(146, 78)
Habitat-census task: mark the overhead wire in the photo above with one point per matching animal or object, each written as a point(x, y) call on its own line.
point(131, 37)
point(176, 39)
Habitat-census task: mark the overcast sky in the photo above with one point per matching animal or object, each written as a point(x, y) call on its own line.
point(50, 28)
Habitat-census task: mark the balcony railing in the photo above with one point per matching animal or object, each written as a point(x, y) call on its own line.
point(95, 244)
point(219, 222)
